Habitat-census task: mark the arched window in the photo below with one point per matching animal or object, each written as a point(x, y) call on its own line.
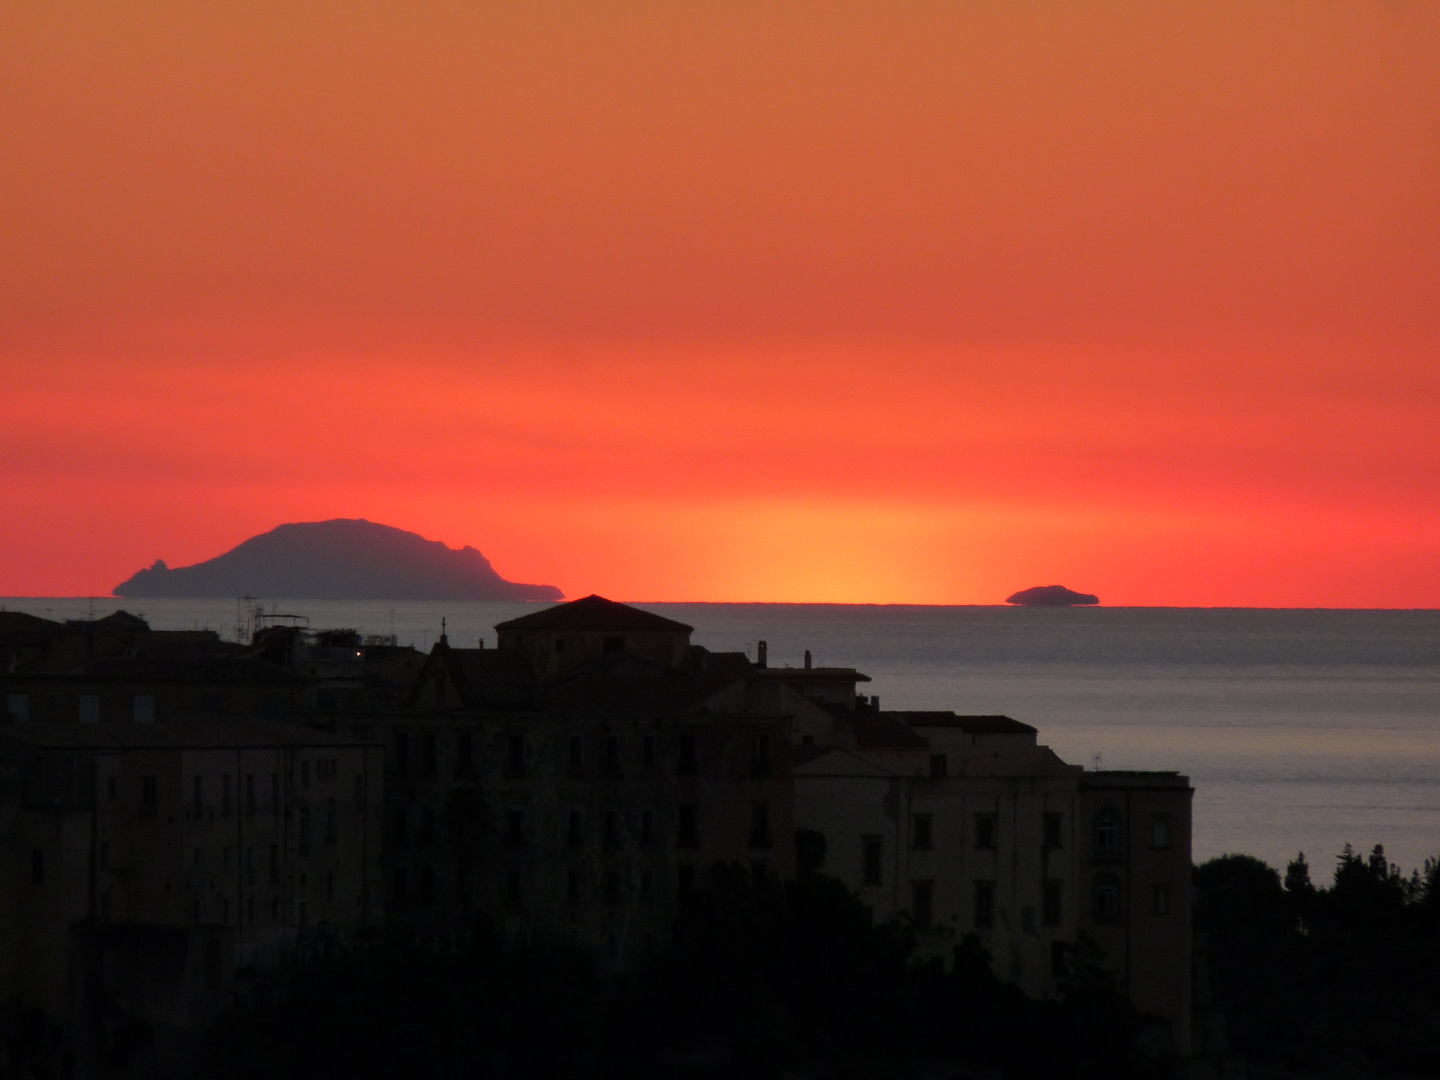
point(1107, 898)
point(1107, 830)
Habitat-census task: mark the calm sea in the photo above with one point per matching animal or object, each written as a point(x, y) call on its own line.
point(1301, 730)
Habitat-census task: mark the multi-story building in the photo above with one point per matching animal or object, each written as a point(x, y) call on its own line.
point(578, 780)
point(154, 867)
point(965, 824)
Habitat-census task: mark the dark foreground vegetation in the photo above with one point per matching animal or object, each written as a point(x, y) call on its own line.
point(769, 979)
point(1341, 981)
point(765, 978)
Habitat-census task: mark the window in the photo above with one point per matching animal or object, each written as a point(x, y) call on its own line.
point(199, 798)
point(612, 888)
point(275, 794)
point(1160, 831)
point(225, 795)
point(1059, 959)
point(37, 866)
point(647, 827)
point(214, 972)
point(149, 795)
point(1050, 910)
point(984, 905)
point(572, 835)
point(144, 708)
point(684, 880)
point(1107, 898)
point(688, 832)
point(513, 894)
point(559, 644)
point(871, 849)
point(614, 645)
point(402, 827)
point(250, 794)
point(89, 709)
point(400, 743)
point(330, 821)
point(647, 887)
point(612, 829)
point(939, 765)
point(577, 753)
point(647, 752)
point(464, 755)
point(760, 825)
point(572, 888)
point(305, 774)
point(760, 755)
point(1107, 831)
point(400, 891)
point(112, 788)
point(688, 763)
point(921, 831)
point(1052, 832)
point(516, 758)
point(1160, 900)
point(985, 830)
point(19, 707)
point(427, 884)
point(302, 829)
point(612, 755)
point(359, 793)
point(429, 753)
point(515, 828)
point(921, 911)
point(274, 863)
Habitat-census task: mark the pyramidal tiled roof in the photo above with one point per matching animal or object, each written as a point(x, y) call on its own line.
point(594, 613)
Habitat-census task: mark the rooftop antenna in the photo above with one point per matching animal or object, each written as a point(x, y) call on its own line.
point(444, 640)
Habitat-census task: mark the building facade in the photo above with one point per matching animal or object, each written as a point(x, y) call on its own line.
point(157, 868)
point(966, 825)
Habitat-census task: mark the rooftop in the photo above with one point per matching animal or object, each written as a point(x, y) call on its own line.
point(191, 735)
point(882, 731)
point(814, 674)
point(971, 725)
point(597, 614)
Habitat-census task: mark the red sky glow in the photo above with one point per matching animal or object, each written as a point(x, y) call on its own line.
point(865, 303)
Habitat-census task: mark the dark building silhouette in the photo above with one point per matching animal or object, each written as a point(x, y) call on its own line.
point(572, 785)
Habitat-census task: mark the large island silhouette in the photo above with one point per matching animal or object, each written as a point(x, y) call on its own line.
point(341, 559)
point(1051, 596)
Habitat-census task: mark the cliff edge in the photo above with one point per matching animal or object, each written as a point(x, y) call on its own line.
point(342, 559)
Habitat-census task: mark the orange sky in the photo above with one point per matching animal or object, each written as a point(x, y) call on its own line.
point(753, 301)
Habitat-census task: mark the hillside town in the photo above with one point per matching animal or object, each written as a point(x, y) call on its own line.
point(183, 817)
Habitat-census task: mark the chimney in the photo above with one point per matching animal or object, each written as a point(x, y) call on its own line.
point(807, 659)
point(762, 655)
point(482, 644)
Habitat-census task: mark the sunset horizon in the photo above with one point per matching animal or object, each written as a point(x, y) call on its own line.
point(922, 306)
